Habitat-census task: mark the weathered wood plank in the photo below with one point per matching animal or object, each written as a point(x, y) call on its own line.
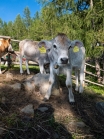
point(7, 37)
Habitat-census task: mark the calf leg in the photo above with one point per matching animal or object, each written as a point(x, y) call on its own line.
point(42, 70)
point(27, 67)
point(81, 79)
point(51, 82)
point(48, 94)
point(69, 86)
point(76, 76)
point(20, 58)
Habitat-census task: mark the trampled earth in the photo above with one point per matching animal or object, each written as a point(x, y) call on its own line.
point(59, 121)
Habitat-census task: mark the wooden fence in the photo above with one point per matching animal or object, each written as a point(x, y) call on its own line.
point(95, 75)
point(8, 37)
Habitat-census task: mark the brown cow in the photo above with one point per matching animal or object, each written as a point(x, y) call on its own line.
point(5, 47)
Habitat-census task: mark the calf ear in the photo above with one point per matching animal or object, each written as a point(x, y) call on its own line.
point(76, 43)
point(46, 44)
point(9, 40)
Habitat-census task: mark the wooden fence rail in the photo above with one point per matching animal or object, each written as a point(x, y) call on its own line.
point(8, 37)
point(73, 77)
point(92, 66)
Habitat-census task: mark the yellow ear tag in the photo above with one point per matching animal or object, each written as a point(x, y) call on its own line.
point(42, 50)
point(76, 49)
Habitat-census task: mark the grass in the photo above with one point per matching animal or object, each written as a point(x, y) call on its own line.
point(17, 67)
point(10, 120)
point(96, 89)
point(31, 67)
point(91, 87)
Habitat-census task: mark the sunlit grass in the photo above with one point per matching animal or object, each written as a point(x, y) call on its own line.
point(96, 89)
point(17, 67)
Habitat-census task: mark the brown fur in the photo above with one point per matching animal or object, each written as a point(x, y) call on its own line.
point(61, 37)
point(4, 46)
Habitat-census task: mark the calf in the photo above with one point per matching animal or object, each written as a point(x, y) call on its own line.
point(77, 59)
point(30, 51)
point(65, 55)
point(58, 54)
point(5, 47)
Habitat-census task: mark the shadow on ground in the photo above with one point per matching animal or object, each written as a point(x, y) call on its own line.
point(60, 121)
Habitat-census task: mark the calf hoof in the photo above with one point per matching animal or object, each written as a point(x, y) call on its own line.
point(72, 103)
point(45, 100)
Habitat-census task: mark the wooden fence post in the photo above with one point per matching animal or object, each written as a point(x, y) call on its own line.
point(103, 71)
point(97, 65)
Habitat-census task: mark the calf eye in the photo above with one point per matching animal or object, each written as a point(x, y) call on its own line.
point(48, 50)
point(54, 46)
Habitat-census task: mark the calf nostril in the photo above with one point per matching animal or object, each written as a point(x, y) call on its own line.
point(64, 60)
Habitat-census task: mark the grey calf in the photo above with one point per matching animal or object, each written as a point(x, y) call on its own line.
point(30, 51)
point(64, 55)
point(77, 59)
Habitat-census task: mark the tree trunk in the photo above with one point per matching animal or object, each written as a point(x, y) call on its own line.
point(91, 4)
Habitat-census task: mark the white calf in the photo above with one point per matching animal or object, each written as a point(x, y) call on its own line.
point(30, 51)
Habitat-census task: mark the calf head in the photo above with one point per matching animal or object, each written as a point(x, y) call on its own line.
point(77, 51)
point(10, 49)
point(58, 49)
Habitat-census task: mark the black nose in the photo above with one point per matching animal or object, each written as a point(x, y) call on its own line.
point(64, 60)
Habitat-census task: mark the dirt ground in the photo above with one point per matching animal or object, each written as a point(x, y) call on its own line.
point(61, 121)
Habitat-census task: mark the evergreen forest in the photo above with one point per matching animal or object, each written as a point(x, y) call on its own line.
point(79, 19)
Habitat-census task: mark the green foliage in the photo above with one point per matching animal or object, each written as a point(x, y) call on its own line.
point(75, 18)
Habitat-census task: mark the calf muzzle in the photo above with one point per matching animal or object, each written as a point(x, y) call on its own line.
point(64, 60)
point(12, 52)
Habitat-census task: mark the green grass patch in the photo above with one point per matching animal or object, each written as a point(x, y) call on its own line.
point(96, 89)
point(32, 68)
